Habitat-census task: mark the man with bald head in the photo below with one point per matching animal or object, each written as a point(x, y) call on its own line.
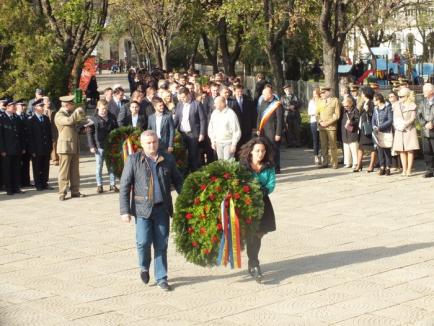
point(224, 130)
point(426, 120)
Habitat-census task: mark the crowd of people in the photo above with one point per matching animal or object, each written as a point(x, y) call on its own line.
point(364, 121)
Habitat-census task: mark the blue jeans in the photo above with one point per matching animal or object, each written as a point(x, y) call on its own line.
point(153, 230)
point(99, 157)
point(315, 137)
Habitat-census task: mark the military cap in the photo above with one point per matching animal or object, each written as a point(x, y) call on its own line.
point(374, 85)
point(21, 102)
point(4, 100)
point(354, 88)
point(395, 82)
point(324, 89)
point(38, 102)
point(10, 102)
point(66, 98)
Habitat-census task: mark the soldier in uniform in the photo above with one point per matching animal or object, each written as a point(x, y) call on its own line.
point(291, 106)
point(328, 117)
point(11, 148)
point(40, 145)
point(3, 102)
point(26, 157)
point(67, 121)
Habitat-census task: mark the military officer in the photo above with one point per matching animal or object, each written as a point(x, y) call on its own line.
point(40, 145)
point(26, 157)
point(11, 148)
point(3, 102)
point(67, 121)
point(327, 117)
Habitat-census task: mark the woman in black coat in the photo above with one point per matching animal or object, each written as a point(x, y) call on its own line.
point(365, 130)
point(350, 131)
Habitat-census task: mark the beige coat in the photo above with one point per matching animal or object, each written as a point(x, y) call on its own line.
point(404, 122)
point(66, 123)
point(328, 111)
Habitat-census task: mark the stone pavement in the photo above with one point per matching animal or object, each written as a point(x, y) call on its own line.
point(350, 249)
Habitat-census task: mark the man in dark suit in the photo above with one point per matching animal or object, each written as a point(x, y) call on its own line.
point(26, 157)
point(162, 123)
point(135, 119)
point(270, 121)
point(191, 122)
point(247, 116)
point(116, 104)
point(124, 117)
point(11, 148)
point(40, 145)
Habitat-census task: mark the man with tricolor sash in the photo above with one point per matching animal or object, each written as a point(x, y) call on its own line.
point(270, 121)
point(328, 112)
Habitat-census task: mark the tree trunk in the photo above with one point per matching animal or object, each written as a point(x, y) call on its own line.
point(192, 59)
point(211, 54)
point(331, 62)
point(275, 59)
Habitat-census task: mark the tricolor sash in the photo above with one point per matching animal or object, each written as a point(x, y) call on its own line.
point(268, 112)
point(127, 148)
point(230, 243)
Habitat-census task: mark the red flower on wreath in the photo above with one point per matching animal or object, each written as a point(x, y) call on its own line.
point(218, 189)
point(213, 178)
point(188, 216)
point(206, 251)
point(211, 197)
point(248, 201)
point(202, 216)
point(237, 196)
point(246, 189)
point(194, 244)
point(219, 227)
point(227, 175)
point(190, 230)
point(197, 201)
point(229, 196)
point(214, 239)
point(202, 187)
point(202, 230)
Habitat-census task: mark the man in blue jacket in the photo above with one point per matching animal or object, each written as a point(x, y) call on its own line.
point(145, 195)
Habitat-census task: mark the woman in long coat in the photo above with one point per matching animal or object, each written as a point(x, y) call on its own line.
point(405, 140)
point(365, 137)
point(349, 131)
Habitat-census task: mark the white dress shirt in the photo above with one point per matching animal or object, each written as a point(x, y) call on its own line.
point(158, 118)
point(185, 122)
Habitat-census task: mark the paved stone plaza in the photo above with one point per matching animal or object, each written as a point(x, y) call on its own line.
point(350, 249)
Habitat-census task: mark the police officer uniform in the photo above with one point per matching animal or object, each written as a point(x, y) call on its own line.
point(40, 146)
point(25, 157)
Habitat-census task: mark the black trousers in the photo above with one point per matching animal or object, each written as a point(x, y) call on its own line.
point(207, 154)
point(2, 184)
point(253, 247)
point(428, 153)
point(41, 169)
point(384, 157)
point(25, 170)
point(11, 172)
point(192, 144)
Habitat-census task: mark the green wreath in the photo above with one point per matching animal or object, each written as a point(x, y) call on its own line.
point(180, 153)
point(113, 151)
point(196, 222)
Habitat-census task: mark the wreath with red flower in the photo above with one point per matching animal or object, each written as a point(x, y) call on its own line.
point(113, 151)
point(197, 223)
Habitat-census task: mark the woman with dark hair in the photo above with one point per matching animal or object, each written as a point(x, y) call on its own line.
point(396, 160)
point(257, 156)
point(382, 121)
point(365, 127)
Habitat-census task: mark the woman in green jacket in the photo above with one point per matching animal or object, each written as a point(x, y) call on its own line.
point(257, 156)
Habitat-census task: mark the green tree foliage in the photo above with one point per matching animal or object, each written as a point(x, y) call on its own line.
point(30, 58)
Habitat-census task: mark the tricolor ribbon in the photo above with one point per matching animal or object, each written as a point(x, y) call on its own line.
point(127, 148)
point(230, 243)
point(268, 112)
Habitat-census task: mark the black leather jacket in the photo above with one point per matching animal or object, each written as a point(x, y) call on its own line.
point(99, 131)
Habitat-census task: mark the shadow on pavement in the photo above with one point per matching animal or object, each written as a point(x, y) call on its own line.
point(275, 273)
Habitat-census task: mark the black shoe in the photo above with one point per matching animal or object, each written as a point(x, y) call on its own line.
point(19, 191)
point(39, 188)
point(387, 171)
point(9, 193)
point(257, 275)
point(78, 195)
point(99, 189)
point(164, 286)
point(144, 275)
point(114, 188)
point(428, 174)
point(47, 187)
point(382, 171)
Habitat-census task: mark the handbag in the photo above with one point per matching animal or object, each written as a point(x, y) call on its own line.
point(367, 128)
point(349, 127)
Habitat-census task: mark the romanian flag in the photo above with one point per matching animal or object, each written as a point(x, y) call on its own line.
point(127, 148)
point(268, 112)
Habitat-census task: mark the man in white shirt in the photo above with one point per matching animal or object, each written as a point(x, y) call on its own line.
point(224, 130)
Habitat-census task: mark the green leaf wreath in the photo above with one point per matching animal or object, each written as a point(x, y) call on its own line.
point(196, 222)
point(113, 149)
point(180, 153)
